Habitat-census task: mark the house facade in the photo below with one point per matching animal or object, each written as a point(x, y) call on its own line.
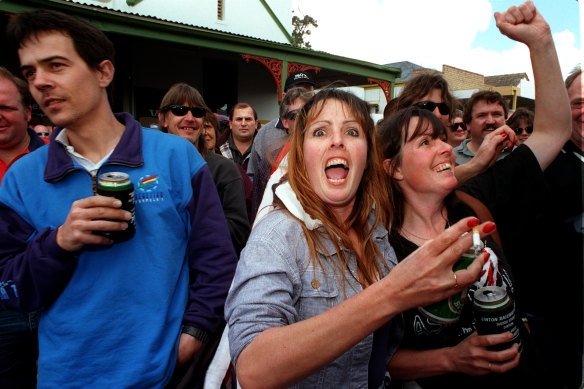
point(231, 51)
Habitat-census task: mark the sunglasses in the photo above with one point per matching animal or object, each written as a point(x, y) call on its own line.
point(431, 106)
point(42, 133)
point(528, 129)
point(291, 115)
point(181, 110)
point(454, 126)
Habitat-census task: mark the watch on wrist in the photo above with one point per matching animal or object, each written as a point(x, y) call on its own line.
point(200, 335)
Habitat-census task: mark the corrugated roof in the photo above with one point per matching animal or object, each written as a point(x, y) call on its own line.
point(104, 8)
point(506, 79)
point(407, 69)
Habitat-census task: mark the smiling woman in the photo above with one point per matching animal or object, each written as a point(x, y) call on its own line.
point(443, 350)
point(437, 352)
point(313, 298)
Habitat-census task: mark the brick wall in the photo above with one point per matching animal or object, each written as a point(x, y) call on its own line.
point(459, 79)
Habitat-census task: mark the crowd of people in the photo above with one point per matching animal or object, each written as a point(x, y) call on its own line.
point(306, 252)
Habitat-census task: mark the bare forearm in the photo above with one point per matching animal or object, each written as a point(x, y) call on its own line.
point(552, 125)
point(291, 353)
point(412, 364)
point(553, 107)
point(467, 171)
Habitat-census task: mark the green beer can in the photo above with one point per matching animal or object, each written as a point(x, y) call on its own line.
point(449, 310)
point(118, 185)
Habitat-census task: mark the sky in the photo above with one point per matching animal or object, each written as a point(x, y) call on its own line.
point(430, 33)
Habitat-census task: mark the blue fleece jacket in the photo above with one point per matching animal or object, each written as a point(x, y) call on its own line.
point(112, 315)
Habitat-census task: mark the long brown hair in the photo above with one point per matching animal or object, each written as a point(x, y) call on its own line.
point(419, 86)
point(178, 94)
point(369, 194)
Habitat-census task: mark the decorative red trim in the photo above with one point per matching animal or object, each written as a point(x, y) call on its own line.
point(384, 85)
point(293, 67)
point(274, 66)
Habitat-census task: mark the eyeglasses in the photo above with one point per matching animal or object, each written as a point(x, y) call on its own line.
point(291, 115)
point(181, 110)
point(454, 126)
point(528, 129)
point(431, 106)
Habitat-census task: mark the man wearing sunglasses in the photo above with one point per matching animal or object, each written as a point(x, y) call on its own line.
point(484, 113)
point(43, 131)
point(114, 314)
point(274, 134)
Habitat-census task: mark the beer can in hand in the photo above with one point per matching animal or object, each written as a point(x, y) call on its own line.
point(449, 310)
point(118, 185)
point(494, 313)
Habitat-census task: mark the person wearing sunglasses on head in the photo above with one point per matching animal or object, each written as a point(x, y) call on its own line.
point(429, 91)
point(457, 131)
point(438, 353)
point(522, 123)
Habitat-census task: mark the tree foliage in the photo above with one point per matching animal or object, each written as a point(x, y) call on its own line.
point(301, 28)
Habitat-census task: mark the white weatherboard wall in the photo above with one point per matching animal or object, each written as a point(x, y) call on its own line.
point(243, 17)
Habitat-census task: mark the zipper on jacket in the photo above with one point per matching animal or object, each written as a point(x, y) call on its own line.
point(94, 183)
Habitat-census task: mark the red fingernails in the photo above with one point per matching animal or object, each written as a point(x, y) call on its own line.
point(489, 227)
point(473, 223)
point(504, 134)
point(487, 255)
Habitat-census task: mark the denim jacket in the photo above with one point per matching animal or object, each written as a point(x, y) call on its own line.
point(276, 285)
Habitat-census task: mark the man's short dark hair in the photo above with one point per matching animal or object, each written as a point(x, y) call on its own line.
point(489, 96)
point(92, 45)
point(291, 95)
point(21, 86)
point(573, 76)
point(242, 106)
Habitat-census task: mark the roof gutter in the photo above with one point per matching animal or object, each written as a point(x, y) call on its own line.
point(145, 27)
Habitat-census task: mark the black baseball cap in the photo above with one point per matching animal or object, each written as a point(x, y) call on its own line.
point(299, 77)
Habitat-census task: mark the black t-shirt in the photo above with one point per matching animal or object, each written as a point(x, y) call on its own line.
point(535, 214)
point(423, 333)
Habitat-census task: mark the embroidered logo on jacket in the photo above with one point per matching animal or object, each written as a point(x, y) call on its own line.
point(148, 183)
point(146, 190)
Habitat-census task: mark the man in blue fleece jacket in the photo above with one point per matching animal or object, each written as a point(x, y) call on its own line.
point(114, 314)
